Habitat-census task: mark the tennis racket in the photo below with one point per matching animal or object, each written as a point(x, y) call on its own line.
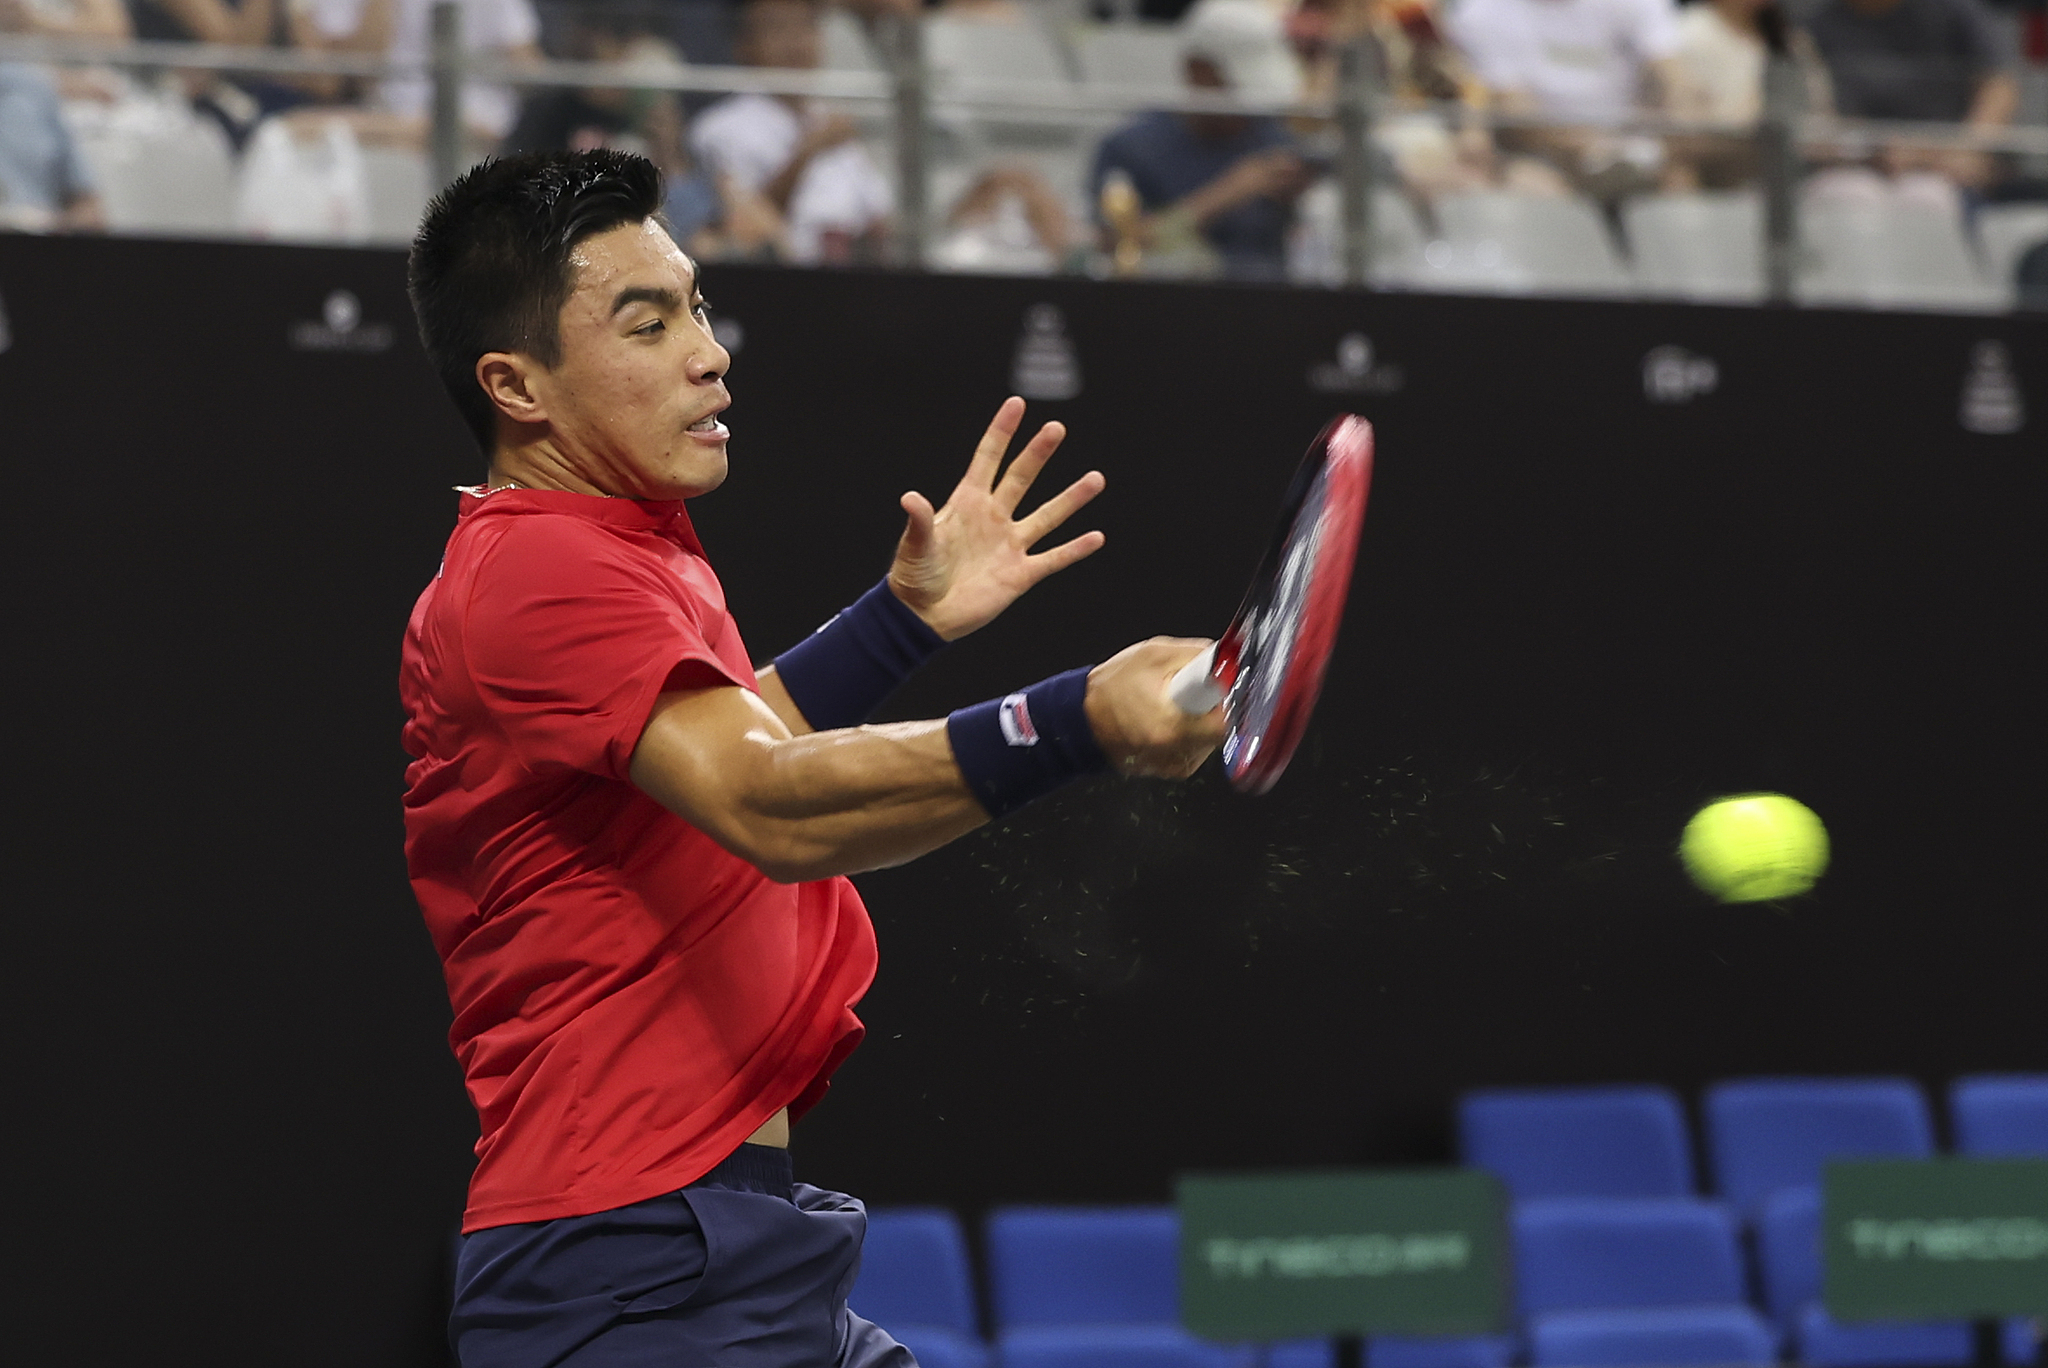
point(1267, 667)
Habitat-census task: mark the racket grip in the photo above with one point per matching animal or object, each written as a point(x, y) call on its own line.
point(1191, 689)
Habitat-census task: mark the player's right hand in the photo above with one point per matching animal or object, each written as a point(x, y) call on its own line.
point(1138, 726)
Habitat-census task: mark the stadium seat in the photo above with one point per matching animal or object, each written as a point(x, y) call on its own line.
point(1705, 246)
point(1522, 244)
point(400, 185)
point(844, 44)
point(1653, 1337)
point(1769, 1133)
point(935, 1347)
point(1132, 59)
point(1439, 1351)
point(1068, 1266)
point(172, 179)
point(1890, 255)
point(1591, 1253)
point(963, 53)
point(2020, 1341)
point(1118, 1346)
point(1579, 1142)
point(913, 1272)
point(2000, 1114)
point(2005, 232)
point(1789, 1258)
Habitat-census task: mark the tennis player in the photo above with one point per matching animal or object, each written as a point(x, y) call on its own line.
point(629, 844)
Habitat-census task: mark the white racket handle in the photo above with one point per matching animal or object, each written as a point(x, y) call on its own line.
point(1191, 689)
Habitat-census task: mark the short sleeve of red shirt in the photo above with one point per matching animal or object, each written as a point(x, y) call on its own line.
point(576, 638)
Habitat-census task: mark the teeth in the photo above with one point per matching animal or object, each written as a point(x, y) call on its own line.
point(705, 424)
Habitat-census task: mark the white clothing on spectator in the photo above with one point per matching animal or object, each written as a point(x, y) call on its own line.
point(1578, 59)
point(488, 27)
point(1720, 68)
point(752, 137)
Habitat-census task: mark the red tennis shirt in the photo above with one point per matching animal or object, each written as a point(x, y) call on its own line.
point(631, 1000)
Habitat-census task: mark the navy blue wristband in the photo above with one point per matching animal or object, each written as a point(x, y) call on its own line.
point(839, 674)
point(1022, 747)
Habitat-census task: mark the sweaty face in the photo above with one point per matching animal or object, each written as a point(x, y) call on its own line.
point(634, 403)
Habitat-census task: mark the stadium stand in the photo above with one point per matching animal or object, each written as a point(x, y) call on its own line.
point(1891, 255)
point(1579, 1142)
point(1789, 1259)
point(1612, 1281)
point(1705, 247)
point(2005, 232)
point(1764, 1134)
point(2000, 1114)
point(1098, 1287)
point(1525, 244)
point(915, 1279)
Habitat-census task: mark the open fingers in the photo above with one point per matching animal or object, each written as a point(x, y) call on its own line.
point(1017, 479)
point(1060, 507)
point(988, 456)
point(1065, 554)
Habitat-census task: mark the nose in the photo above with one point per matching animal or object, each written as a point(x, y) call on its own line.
point(710, 362)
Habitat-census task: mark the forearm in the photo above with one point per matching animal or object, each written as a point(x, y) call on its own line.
point(1996, 101)
point(826, 803)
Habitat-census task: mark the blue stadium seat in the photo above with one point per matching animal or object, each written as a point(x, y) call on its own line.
point(1579, 1142)
point(1769, 1133)
point(2020, 1340)
point(1308, 1353)
point(1586, 1253)
point(913, 1271)
point(1439, 1351)
point(1788, 1252)
point(2000, 1114)
point(1069, 1266)
point(936, 1347)
point(1117, 1346)
point(1653, 1337)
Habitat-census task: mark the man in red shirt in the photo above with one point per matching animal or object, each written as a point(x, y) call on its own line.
point(629, 845)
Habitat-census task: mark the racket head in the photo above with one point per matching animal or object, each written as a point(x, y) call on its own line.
point(1272, 658)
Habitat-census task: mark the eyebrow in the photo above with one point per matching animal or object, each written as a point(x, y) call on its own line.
point(659, 295)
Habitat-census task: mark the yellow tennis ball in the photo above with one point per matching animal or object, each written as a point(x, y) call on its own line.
point(1754, 847)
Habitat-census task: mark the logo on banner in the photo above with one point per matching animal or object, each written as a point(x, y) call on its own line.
point(1355, 371)
point(1045, 367)
point(1992, 401)
point(1673, 375)
point(1013, 714)
point(727, 332)
point(341, 328)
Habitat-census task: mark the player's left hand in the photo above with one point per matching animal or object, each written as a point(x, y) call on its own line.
point(960, 566)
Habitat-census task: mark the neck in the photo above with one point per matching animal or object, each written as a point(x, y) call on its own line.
point(539, 465)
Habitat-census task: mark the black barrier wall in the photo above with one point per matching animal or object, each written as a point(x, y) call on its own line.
point(1620, 559)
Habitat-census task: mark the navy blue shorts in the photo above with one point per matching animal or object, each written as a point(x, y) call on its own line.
point(744, 1268)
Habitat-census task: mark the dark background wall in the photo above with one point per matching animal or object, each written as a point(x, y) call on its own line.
point(1578, 614)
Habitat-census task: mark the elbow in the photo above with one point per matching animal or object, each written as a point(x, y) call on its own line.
point(783, 855)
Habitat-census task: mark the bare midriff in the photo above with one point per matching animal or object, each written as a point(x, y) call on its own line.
point(774, 1131)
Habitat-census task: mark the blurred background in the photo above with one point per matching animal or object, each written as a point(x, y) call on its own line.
point(1706, 347)
point(1888, 152)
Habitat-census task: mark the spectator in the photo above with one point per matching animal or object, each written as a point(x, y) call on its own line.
point(1723, 48)
point(1223, 184)
point(44, 184)
point(1590, 63)
point(106, 20)
point(779, 153)
point(1417, 65)
point(1933, 61)
point(402, 29)
point(1009, 222)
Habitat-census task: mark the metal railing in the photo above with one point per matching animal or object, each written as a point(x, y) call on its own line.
point(906, 95)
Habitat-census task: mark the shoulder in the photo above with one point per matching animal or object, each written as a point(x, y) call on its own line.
point(558, 556)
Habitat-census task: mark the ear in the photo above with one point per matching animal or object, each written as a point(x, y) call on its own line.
point(512, 383)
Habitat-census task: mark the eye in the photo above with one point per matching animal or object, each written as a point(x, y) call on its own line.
point(650, 329)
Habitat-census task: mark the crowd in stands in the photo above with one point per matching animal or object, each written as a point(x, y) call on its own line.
point(1528, 96)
